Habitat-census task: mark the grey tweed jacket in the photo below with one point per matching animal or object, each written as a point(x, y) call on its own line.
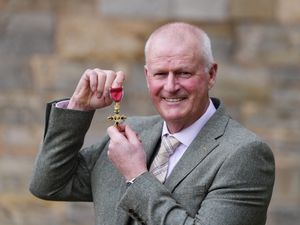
point(225, 177)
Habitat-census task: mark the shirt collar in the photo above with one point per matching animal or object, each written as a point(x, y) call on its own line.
point(188, 134)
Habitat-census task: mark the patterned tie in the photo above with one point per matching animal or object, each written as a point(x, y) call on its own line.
point(159, 167)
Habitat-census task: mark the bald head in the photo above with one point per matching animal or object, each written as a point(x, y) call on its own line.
point(181, 33)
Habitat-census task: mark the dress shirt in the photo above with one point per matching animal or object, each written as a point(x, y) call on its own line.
point(62, 104)
point(187, 135)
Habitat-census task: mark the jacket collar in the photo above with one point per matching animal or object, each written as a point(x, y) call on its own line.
point(205, 142)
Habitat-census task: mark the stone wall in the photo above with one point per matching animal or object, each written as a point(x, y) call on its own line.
point(45, 45)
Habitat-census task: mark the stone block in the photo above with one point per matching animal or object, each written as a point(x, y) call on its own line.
point(80, 213)
point(260, 10)
point(287, 215)
point(26, 33)
point(52, 5)
point(16, 140)
point(203, 10)
point(286, 82)
point(19, 107)
point(287, 183)
point(239, 84)
point(14, 74)
point(55, 77)
point(245, 91)
point(222, 39)
point(2, 4)
point(15, 174)
point(93, 38)
point(22, 34)
point(51, 75)
point(278, 115)
point(155, 9)
point(9, 5)
point(271, 45)
point(23, 208)
point(289, 11)
point(137, 100)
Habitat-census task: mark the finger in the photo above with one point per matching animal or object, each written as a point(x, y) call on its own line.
point(132, 136)
point(101, 75)
point(121, 128)
point(120, 77)
point(115, 134)
point(83, 82)
point(110, 77)
point(91, 76)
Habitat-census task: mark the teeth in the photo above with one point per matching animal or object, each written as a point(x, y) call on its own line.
point(173, 99)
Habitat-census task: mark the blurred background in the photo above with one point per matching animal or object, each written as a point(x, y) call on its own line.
point(45, 46)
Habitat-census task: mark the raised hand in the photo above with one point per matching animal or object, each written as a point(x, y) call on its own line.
point(92, 91)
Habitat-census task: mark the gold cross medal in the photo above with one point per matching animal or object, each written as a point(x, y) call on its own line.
point(117, 94)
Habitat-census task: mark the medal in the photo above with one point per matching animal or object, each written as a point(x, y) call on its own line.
point(117, 94)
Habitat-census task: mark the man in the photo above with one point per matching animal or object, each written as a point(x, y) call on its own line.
point(219, 172)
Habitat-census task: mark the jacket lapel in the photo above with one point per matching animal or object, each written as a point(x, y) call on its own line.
point(150, 138)
point(204, 143)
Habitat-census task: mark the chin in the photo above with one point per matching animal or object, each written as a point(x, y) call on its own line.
point(172, 117)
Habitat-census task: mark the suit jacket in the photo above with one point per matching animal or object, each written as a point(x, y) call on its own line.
point(225, 177)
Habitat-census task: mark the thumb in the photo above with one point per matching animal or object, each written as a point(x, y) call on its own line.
point(131, 135)
point(114, 133)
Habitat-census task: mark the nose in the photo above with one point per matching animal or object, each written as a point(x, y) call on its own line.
point(171, 83)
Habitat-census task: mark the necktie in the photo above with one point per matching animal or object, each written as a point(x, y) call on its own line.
point(159, 167)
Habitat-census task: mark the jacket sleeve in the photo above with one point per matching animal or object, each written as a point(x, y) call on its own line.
point(239, 193)
point(61, 172)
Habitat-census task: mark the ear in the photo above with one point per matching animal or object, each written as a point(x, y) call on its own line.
point(212, 73)
point(146, 75)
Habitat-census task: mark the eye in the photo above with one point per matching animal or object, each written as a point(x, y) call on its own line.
point(184, 74)
point(160, 75)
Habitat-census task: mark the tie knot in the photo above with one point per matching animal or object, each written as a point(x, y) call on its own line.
point(170, 143)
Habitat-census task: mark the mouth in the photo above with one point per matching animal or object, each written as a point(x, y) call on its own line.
point(174, 100)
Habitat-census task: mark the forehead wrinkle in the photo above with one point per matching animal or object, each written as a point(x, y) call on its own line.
point(167, 48)
point(173, 65)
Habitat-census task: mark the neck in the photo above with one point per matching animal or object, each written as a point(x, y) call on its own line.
point(178, 125)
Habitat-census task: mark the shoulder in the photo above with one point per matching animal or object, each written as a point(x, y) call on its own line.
point(236, 139)
point(245, 148)
point(234, 133)
point(237, 133)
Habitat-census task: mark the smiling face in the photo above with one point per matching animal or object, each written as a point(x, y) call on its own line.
point(178, 80)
